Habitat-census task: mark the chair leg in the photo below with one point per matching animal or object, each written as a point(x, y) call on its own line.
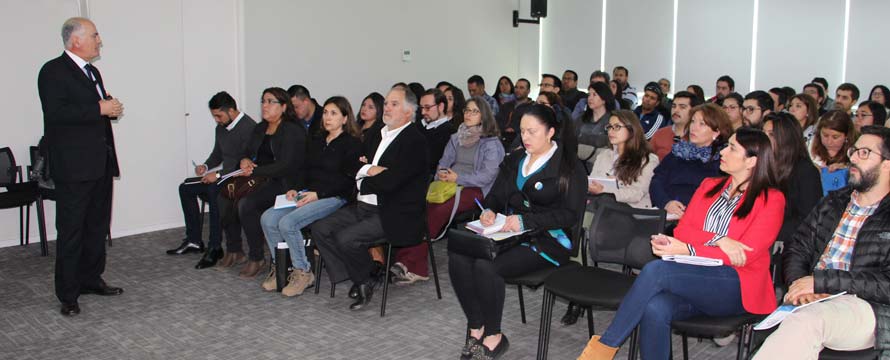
point(386, 279)
point(544, 330)
point(317, 271)
point(41, 228)
point(590, 321)
point(685, 347)
point(634, 344)
point(433, 265)
point(21, 225)
point(28, 224)
point(744, 339)
point(521, 303)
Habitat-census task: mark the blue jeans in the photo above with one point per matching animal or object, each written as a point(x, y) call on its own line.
point(666, 291)
point(285, 225)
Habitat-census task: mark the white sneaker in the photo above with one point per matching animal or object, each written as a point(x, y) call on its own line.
point(398, 271)
point(721, 342)
point(411, 278)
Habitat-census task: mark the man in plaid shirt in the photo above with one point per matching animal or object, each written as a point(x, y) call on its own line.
point(842, 245)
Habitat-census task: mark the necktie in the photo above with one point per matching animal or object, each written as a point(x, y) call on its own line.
point(91, 73)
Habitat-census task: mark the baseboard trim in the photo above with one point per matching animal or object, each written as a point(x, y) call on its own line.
point(51, 236)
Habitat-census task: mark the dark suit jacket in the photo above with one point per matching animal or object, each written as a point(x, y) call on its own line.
point(80, 141)
point(401, 188)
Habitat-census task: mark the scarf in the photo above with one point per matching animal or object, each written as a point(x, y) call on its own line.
point(468, 136)
point(688, 151)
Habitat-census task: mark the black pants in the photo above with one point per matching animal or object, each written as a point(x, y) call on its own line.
point(83, 220)
point(479, 283)
point(188, 197)
point(247, 216)
point(343, 239)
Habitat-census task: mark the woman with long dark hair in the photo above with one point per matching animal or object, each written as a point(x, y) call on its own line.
point(881, 95)
point(503, 93)
point(805, 110)
point(835, 133)
point(455, 107)
point(592, 123)
point(370, 115)
point(869, 113)
point(540, 187)
point(275, 153)
point(796, 175)
point(331, 165)
point(734, 219)
point(629, 160)
point(697, 90)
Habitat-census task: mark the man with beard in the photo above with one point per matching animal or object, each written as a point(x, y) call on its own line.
point(664, 138)
point(841, 246)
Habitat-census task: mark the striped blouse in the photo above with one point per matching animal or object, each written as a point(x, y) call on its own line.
point(718, 217)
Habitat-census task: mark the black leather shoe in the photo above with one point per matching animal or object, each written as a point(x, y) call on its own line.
point(186, 247)
point(365, 291)
point(70, 309)
point(353, 291)
point(211, 256)
point(482, 352)
point(103, 289)
point(572, 314)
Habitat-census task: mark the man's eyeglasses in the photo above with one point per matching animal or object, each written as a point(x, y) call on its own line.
point(545, 85)
point(750, 109)
point(863, 153)
point(428, 107)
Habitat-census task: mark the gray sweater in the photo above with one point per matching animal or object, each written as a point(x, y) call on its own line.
point(230, 145)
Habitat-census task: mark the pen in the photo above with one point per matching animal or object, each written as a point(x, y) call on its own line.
point(479, 204)
point(193, 163)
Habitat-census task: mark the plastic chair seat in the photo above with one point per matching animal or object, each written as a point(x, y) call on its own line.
point(714, 326)
point(589, 286)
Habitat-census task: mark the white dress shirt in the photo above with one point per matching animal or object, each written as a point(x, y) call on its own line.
point(387, 137)
point(81, 63)
point(538, 163)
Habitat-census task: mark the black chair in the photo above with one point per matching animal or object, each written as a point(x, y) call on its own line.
point(618, 235)
point(20, 195)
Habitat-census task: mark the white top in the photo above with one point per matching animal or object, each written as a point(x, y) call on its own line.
point(435, 123)
point(540, 162)
point(387, 137)
point(635, 194)
point(81, 63)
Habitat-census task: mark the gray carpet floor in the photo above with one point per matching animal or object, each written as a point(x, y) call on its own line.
point(170, 310)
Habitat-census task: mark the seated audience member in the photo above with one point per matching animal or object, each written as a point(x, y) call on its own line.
point(231, 135)
point(276, 151)
point(732, 104)
point(621, 103)
point(827, 103)
point(569, 90)
point(650, 117)
point(735, 219)
point(629, 160)
point(418, 90)
point(307, 109)
point(553, 101)
point(697, 90)
point(757, 104)
point(504, 92)
point(665, 138)
point(845, 97)
point(434, 125)
point(841, 246)
point(596, 76)
point(508, 118)
point(869, 113)
point(471, 160)
point(629, 93)
point(552, 184)
point(331, 164)
point(550, 83)
point(443, 85)
point(835, 134)
point(592, 124)
point(392, 188)
point(789, 92)
point(456, 104)
point(817, 93)
point(805, 110)
point(665, 86)
point(690, 162)
point(476, 87)
point(795, 174)
point(779, 99)
point(881, 95)
point(370, 116)
point(725, 85)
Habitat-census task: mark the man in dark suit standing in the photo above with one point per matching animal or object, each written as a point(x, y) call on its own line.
point(391, 202)
point(77, 114)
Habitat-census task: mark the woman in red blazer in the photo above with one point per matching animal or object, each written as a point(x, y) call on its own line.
point(735, 219)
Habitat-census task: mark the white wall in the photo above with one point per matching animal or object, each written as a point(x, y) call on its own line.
point(572, 38)
point(867, 48)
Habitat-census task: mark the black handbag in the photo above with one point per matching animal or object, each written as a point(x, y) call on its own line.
point(468, 243)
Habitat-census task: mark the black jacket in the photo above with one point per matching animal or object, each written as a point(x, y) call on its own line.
point(436, 139)
point(331, 168)
point(869, 275)
point(289, 147)
point(549, 208)
point(803, 191)
point(80, 141)
point(401, 188)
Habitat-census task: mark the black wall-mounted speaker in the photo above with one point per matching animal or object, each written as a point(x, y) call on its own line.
point(539, 8)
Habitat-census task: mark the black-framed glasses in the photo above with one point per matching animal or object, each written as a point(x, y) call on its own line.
point(863, 153)
point(546, 85)
point(615, 127)
point(269, 102)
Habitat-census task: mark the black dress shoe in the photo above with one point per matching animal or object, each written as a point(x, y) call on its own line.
point(103, 289)
point(353, 291)
point(186, 247)
point(211, 256)
point(70, 309)
point(365, 291)
point(572, 314)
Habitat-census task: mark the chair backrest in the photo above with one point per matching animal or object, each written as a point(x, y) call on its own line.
point(33, 153)
point(620, 234)
point(8, 168)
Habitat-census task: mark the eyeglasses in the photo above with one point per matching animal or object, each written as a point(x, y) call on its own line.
point(863, 153)
point(428, 107)
point(269, 102)
point(860, 114)
point(545, 85)
point(472, 111)
point(615, 127)
point(750, 109)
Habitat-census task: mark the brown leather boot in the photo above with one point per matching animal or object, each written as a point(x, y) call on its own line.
point(252, 269)
point(230, 259)
point(596, 350)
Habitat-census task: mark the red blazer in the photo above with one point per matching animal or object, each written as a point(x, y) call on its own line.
point(758, 230)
